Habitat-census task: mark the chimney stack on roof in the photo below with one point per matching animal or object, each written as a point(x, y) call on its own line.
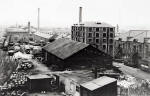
point(80, 14)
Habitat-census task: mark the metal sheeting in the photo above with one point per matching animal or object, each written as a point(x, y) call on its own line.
point(63, 48)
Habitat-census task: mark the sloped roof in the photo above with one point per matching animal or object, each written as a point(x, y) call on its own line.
point(63, 48)
point(98, 83)
point(39, 76)
point(94, 24)
point(44, 35)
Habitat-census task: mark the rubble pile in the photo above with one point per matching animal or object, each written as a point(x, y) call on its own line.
point(131, 86)
point(25, 65)
point(14, 85)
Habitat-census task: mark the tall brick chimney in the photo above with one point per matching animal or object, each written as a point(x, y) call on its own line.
point(80, 14)
point(29, 28)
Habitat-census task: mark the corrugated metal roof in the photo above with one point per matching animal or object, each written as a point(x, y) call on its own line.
point(63, 48)
point(97, 83)
point(44, 35)
point(38, 76)
point(94, 24)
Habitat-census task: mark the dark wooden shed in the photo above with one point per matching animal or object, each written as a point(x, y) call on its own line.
point(72, 54)
point(37, 83)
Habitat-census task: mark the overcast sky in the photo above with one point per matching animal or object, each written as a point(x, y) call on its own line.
point(65, 12)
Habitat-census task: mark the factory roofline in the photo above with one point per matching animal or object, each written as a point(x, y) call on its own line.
point(44, 35)
point(93, 24)
point(19, 29)
point(64, 48)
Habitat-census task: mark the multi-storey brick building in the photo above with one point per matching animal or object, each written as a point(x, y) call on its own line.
point(98, 34)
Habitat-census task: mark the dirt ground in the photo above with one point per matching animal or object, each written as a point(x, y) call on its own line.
point(133, 71)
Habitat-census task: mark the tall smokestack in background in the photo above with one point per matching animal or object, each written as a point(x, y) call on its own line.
point(38, 19)
point(80, 14)
point(29, 28)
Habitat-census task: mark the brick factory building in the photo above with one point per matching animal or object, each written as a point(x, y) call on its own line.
point(98, 34)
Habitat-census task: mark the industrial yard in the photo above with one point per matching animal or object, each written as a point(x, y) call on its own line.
point(90, 58)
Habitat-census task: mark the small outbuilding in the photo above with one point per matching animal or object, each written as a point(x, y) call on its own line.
point(40, 82)
point(103, 86)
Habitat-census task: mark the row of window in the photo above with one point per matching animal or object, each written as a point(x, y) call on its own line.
point(111, 35)
point(105, 46)
point(98, 41)
point(98, 35)
point(110, 41)
point(91, 29)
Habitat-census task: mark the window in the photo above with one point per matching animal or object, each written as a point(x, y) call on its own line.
point(83, 28)
point(76, 33)
point(97, 29)
point(111, 41)
point(104, 41)
point(90, 35)
point(111, 29)
point(72, 28)
point(104, 47)
point(97, 40)
point(104, 29)
point(97, 34)
point(111, 35)
point(76, 39)
point(93, 29)
point(78, 28)
point(75, 28)
point(90, 29)
point(104, 34)
point(111, 46)
point(90, 40)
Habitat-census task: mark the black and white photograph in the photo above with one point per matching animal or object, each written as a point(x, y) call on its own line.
point(75, 48)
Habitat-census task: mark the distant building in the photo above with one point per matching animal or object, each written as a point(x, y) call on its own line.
point(98, 34)
point(39, 36)
point(134, 34)
point(132, 46)
point(72, 54)
point(131, 50)
point(19, 33)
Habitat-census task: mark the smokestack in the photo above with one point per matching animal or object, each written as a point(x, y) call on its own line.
point(80, 14)
point(38, 19)
point(29, 28)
